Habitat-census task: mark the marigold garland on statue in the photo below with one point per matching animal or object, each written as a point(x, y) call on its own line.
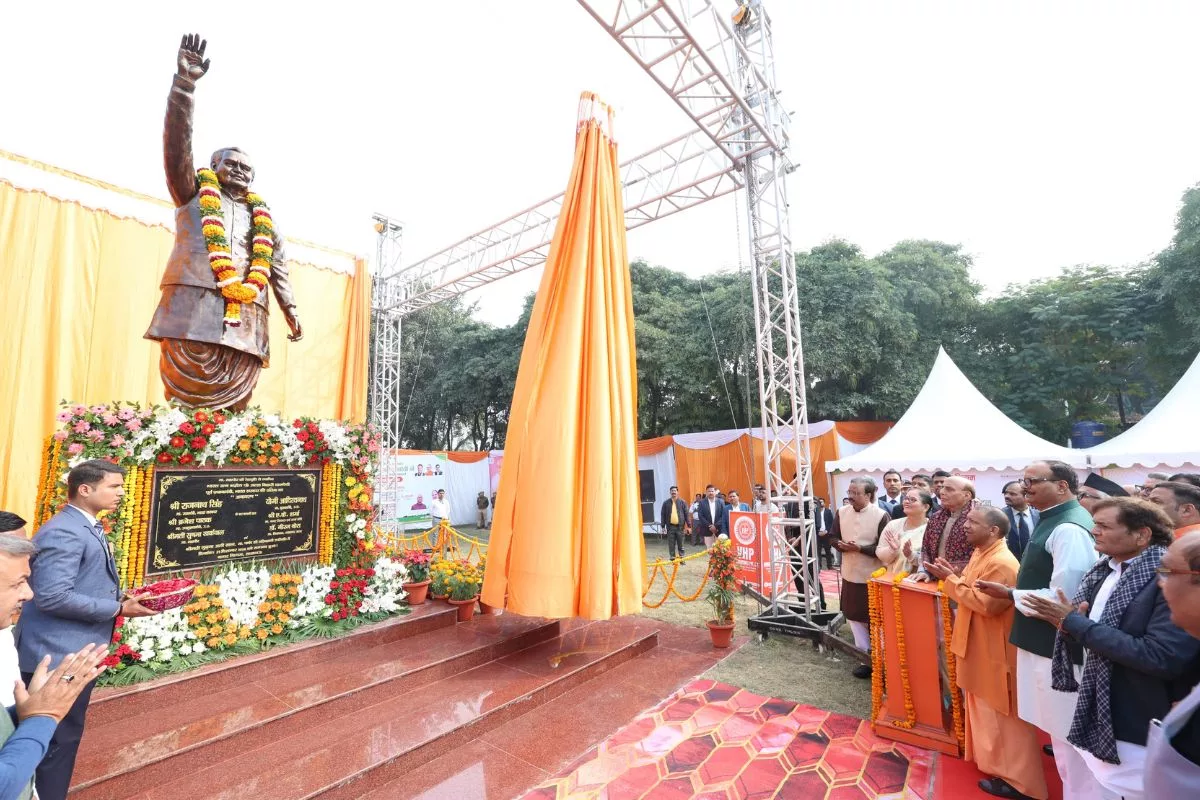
point(220, 259)
point(956, 701)
point(910, 712)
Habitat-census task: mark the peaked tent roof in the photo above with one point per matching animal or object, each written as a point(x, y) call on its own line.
point(951, 425)
point(1167, 435)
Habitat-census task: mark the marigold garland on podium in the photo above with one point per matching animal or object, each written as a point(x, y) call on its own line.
point(914, 695)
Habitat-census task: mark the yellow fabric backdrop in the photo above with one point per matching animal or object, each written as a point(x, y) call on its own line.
point(567, 534)
point(79, 288)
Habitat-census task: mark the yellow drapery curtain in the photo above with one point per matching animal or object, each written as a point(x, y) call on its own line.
point(572, 434)
point(80, 287)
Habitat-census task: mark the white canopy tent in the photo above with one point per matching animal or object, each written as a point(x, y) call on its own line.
point(952, 426)
point(1165, 440)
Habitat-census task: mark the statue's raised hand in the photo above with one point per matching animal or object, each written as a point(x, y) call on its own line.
point(192, 63)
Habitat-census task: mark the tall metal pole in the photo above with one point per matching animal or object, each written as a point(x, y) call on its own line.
point(383, 400)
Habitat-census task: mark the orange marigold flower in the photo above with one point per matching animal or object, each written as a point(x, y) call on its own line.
point(264, 608)
point(213, 643)
point(284, 618)
point(261, 633)
point(273, 461)
point(288, 607)
point(276, 628)
point(276, 448)
point(211, 618)
point(201, 632)
point(244, 445)
point(252, 431)
point(275, 606)
point(194, 620)
point(261, 459)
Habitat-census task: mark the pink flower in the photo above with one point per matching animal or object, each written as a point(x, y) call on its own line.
point(117, 440)
point(126, 413)
point(99, 409)
point(78, 410)
point(110, 418)
point(134, 424)
point(75, 448)
point(96, 435)
point(83, 426)
point(63, 416)
point(60, 436)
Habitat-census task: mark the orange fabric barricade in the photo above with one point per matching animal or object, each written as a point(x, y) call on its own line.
point(648, 447)
point(862, 432)
point(737, 465)
point(572, 434)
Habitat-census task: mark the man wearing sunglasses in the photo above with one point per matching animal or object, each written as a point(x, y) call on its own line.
point(1059, 553)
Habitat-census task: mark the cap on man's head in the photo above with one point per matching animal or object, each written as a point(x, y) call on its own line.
point(1103, 484)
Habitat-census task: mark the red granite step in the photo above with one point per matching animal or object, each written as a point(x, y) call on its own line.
point(131, 752)
point(121, 702)
point(351, 754)
point(551, 739)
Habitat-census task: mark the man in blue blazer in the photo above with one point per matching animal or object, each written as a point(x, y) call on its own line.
point(1022, 517)
point(734, 504)
point(76, 601)
point(710, 517)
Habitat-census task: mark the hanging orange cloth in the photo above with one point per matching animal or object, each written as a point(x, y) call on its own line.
point(567, 535)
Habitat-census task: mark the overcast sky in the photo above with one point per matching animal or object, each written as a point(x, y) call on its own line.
point(1037, 133)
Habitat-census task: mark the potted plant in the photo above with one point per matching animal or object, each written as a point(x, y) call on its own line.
point(416, 565)
point(464, 583)
point(721, 592)
point(439, 574)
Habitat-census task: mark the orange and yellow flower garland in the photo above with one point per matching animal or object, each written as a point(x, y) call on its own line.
point(956, 703)
point(331, 481)
point(910, 712)
point(47, 496)
point(262, 248)
point(875, 615)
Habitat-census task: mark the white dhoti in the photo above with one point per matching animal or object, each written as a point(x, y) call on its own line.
point(1037, 701)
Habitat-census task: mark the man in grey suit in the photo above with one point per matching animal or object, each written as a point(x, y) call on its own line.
point(76, 601)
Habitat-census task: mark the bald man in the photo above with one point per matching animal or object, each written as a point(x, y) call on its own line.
point(946, 534)
point(1173, 747)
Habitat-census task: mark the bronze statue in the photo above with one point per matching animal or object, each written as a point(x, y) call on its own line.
point(211, 320)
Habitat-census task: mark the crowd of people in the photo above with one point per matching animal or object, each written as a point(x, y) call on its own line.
point(1076, 613)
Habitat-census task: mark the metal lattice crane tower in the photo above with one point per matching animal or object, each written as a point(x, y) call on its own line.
point(716, 61)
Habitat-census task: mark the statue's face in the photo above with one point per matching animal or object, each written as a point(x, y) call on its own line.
point(234, 170)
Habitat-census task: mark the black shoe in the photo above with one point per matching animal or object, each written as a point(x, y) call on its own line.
point(862, 671)
point(1048, 749)
point(1001, 788)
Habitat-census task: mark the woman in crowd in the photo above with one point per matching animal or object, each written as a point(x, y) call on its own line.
point(900, 543)
point(1136, 661)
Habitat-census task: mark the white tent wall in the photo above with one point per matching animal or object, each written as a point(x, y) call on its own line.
point(1137, 474)
point(464, 482)
point(663, 464)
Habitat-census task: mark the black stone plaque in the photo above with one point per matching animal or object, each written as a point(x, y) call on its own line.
point(204, 517)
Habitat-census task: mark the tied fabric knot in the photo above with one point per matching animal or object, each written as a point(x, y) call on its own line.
point(1092, 727)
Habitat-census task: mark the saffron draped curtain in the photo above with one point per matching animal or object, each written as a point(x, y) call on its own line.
point(80, 285)
point(567, 534)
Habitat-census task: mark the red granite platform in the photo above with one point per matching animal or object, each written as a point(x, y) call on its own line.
point(385, 712)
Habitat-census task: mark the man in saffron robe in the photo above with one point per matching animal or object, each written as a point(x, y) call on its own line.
point(206, 361)
point(1001, 743)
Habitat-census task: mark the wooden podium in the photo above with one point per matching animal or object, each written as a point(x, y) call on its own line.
point(933, 723)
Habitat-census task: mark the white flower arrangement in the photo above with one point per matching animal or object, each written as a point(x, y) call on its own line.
point(161, 637)
point(357, 525)
point(242, 590)
point(314, 585)
point(384, 590)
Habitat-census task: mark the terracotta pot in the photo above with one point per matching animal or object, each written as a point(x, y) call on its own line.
point(440, 596)
point(466, 608)
point(418, 592)
point(721, 633)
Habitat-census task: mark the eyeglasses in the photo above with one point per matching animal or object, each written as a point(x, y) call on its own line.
point(1029, 482)
point(1085, 495)
point(1165, 571)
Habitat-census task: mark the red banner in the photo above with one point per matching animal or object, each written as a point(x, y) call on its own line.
point(750, 533)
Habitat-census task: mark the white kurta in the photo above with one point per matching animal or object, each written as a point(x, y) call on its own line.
point(1038, 703)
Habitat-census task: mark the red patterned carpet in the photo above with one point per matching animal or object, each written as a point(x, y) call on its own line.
point(715, 741)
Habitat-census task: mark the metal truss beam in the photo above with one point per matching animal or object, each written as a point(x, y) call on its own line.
point(684, 172)
point(695, 52)
point(383, 401)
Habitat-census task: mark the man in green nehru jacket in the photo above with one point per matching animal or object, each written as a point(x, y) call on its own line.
point(1060, 552)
